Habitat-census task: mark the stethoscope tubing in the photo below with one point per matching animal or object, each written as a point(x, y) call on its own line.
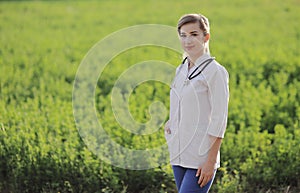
point(205, 63)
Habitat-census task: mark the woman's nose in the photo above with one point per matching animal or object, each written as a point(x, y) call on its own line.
point(189, 39)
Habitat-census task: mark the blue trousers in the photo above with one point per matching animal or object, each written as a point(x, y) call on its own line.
point(187, 182)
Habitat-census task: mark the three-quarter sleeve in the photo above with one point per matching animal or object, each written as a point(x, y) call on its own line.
point(218, 92)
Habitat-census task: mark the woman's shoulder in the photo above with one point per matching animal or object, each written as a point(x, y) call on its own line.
point(180, 66)
point(215, 68)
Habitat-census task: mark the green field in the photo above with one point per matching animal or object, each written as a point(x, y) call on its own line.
point(42, 44)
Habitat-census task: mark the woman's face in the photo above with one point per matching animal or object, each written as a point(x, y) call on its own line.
point(192, 39)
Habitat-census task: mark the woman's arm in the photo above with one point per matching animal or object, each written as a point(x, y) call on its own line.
point(206, 172)
point(219, 97)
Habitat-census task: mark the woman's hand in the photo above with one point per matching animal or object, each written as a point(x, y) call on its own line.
point(167, 127)
point(205, 173)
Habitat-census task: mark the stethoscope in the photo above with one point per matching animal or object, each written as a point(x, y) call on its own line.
point(194, 74)
point(205, 63)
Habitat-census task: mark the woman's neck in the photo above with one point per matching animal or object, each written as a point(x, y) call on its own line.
point(192, 59)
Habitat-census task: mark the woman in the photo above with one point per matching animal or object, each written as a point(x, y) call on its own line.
point(198, 109)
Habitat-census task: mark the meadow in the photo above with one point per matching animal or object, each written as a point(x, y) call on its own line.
point(42, 44)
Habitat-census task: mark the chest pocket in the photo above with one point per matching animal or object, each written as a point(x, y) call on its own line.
point(199, 85)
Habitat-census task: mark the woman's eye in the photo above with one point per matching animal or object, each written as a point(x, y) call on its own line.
point(194, 34)
point(182, 35)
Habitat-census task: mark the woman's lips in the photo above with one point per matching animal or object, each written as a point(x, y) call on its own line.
point(189, 47)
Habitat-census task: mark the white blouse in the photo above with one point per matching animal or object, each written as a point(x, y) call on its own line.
point(198, 108)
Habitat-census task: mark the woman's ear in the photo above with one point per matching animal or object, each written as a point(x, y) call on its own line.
point(206, 37)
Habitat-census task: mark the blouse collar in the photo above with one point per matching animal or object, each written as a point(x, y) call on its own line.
point(201, 59)
point(198, 62)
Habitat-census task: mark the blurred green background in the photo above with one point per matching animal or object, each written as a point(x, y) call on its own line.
point(43, 42)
